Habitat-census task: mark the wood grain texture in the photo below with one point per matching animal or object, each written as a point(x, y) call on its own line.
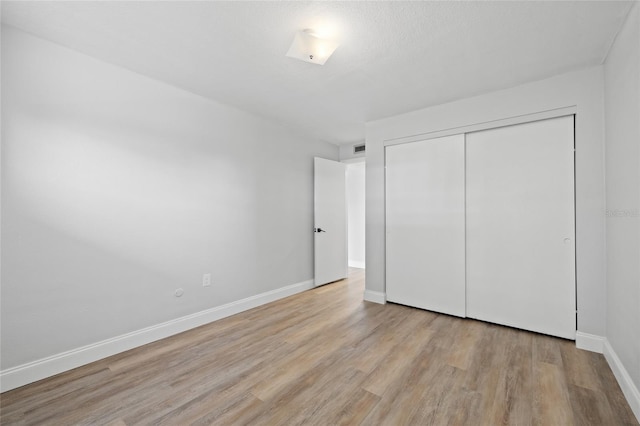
point(325, 357)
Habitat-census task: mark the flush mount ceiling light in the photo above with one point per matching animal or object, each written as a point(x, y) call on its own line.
point(308, 47)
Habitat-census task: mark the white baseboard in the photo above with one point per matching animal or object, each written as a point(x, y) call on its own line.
point(356, 264)
point(590, 342)
point(21, 375)
point(629, 389)
point(375, 297)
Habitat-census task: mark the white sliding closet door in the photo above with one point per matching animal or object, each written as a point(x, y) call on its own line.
point(425, 224)
point(520, 226)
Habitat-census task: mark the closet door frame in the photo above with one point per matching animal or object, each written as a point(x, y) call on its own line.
point(495, 124)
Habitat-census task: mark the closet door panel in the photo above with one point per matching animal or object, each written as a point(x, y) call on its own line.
point(520, 253)
point(425, 224)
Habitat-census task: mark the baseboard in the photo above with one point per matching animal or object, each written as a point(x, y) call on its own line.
point(629, 389)
point(375, 297)
point(356, 264)
point(590, 342)
point(21, 375)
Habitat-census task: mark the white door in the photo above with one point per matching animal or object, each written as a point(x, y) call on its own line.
point(330, 221)
point(425, 224)
point(520, 226)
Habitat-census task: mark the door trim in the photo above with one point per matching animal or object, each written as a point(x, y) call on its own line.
point(493, 124)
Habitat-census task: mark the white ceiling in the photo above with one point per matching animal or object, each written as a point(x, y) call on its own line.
point(393, 57)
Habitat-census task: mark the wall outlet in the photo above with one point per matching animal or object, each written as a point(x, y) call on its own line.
point(206, 280)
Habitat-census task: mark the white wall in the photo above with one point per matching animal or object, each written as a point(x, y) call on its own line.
point(622, 121)
point(582, 89)
point(355, 213)
point(118, 189)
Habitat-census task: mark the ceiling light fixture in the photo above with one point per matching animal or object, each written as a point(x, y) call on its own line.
point(308, 47)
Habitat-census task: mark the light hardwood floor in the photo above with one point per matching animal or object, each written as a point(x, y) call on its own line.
point(326, 357)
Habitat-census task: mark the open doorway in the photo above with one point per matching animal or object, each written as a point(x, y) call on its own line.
point(355, 182)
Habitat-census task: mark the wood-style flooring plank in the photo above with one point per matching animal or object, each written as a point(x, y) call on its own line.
point(391, 366)
point(589, 406)
point(611, 389)
point(551, 399)
point(577, 365)
point(326, 357)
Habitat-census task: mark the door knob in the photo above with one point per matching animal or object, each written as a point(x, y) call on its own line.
point(318, 230)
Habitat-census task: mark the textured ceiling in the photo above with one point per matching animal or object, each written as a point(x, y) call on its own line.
point(393, 57)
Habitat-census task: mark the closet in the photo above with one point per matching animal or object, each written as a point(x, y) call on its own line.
point(481, 225)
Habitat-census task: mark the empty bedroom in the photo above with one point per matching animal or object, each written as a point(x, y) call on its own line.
point(320, 213)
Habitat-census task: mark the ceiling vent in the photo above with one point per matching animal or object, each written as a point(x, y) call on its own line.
point(358, 148)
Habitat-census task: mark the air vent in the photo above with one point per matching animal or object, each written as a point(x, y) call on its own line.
point(358, 148)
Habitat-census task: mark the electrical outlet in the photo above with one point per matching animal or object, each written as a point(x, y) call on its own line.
point(206, 280)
